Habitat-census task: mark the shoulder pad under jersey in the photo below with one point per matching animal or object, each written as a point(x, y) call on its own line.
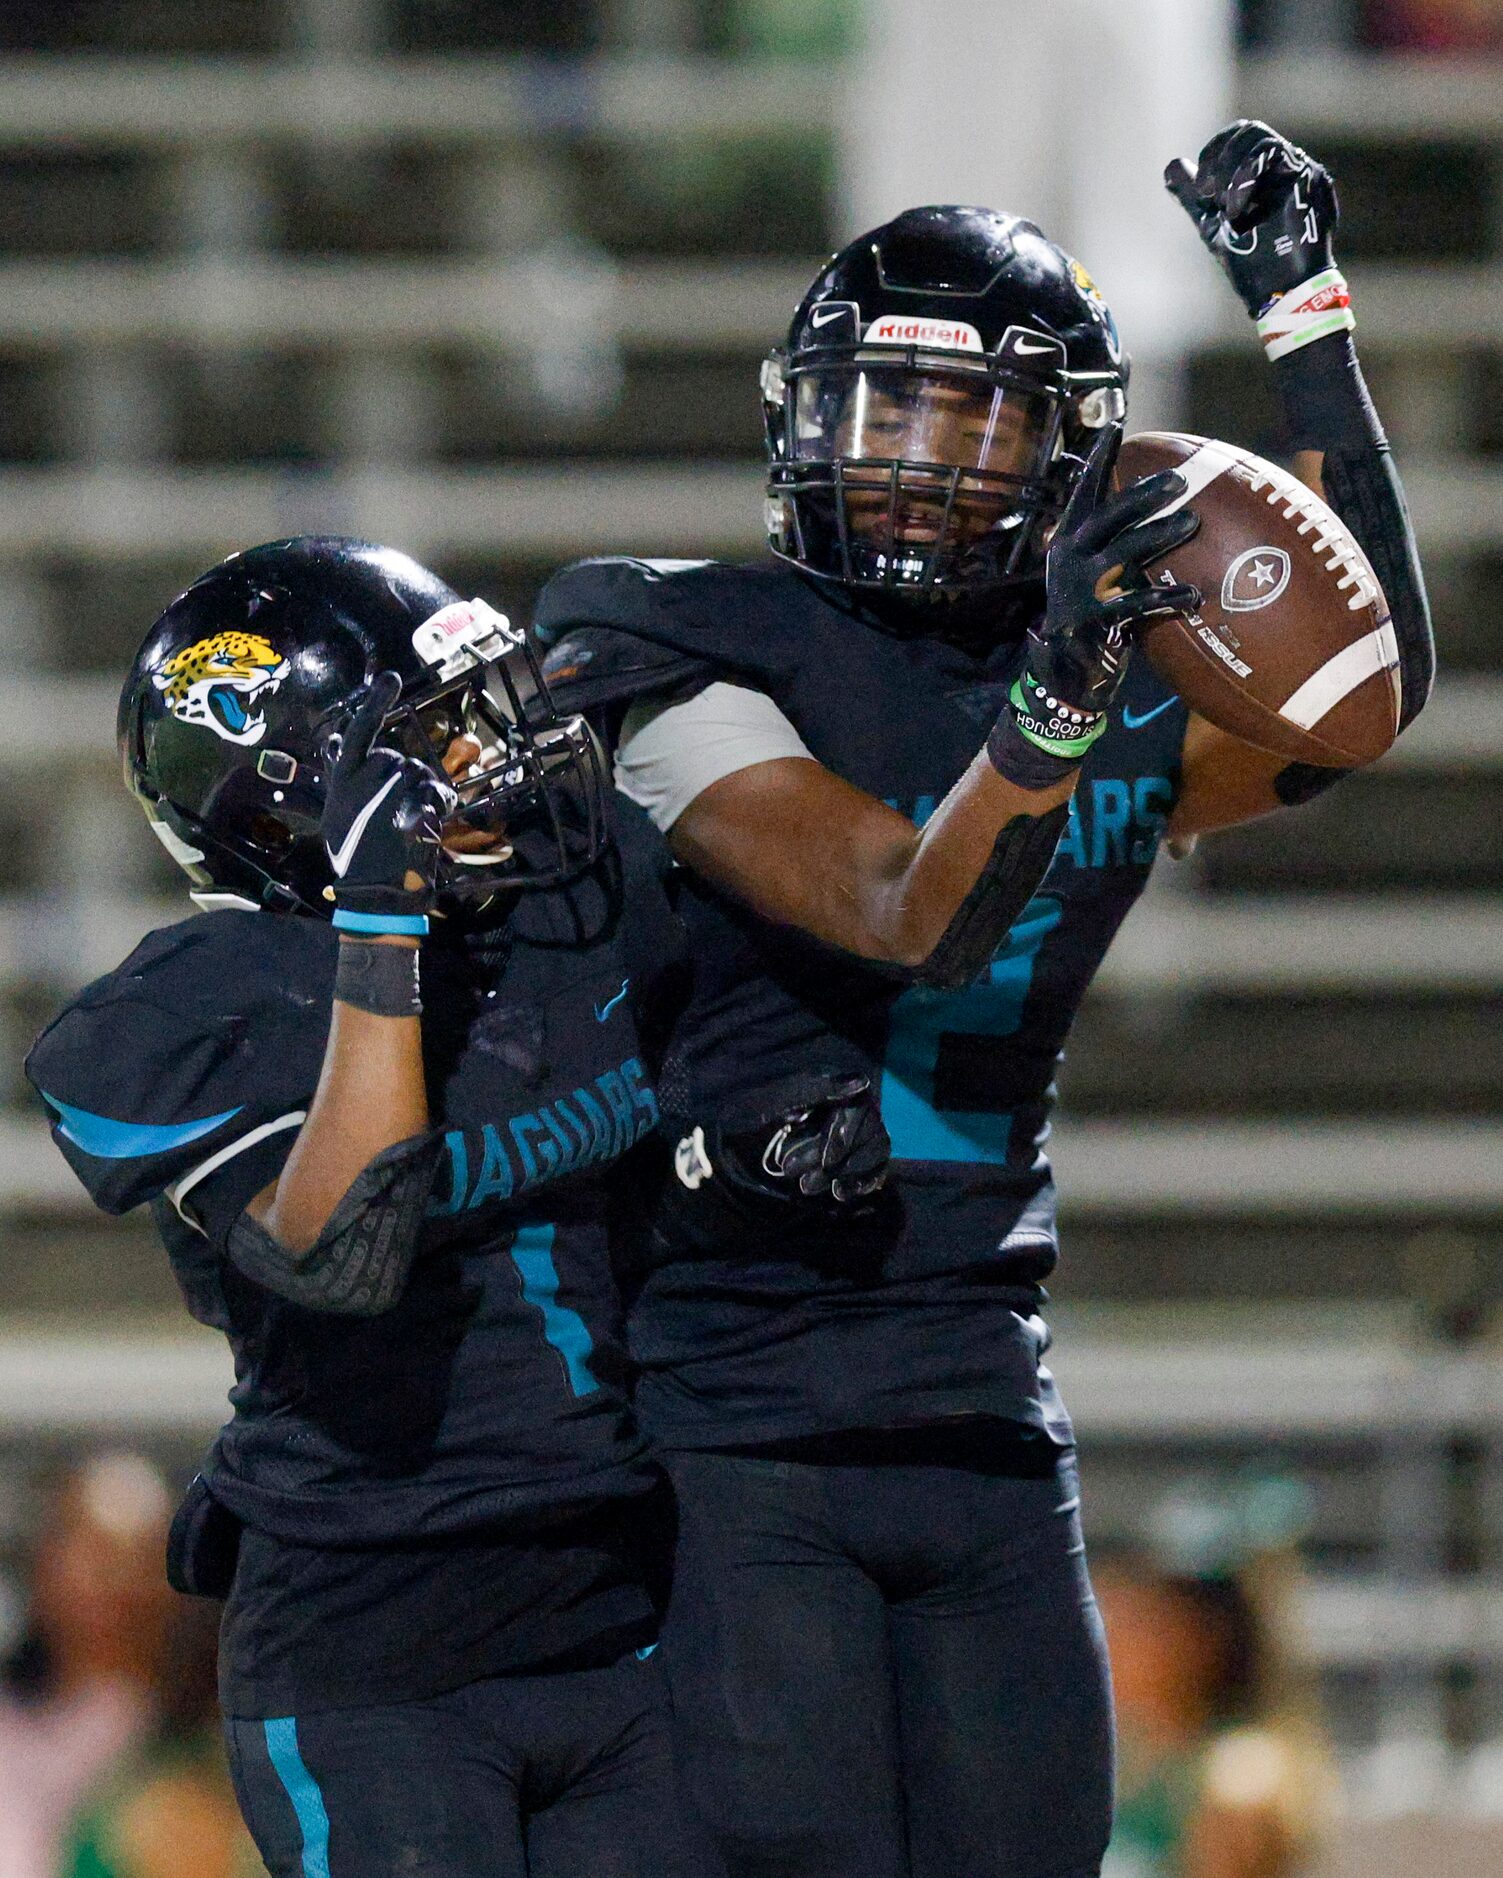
point(210, 1031)
point(616, 628)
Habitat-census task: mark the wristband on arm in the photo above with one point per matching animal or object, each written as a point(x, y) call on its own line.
point(1038, 741)
point(1313, 310)
point(373, 925)
point(1048, 723)
point(380, 979)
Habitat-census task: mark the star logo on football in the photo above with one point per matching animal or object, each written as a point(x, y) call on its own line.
point(1255, 579)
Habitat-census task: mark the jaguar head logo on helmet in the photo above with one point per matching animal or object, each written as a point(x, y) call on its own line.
point(219, 682)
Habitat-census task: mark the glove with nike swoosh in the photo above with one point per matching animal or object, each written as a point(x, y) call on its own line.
point(1267, 211)
point(382, 823)
point(1095, 590)
point(778, 1168)
point(822, 1141)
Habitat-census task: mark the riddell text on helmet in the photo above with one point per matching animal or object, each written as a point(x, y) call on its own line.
point(896, 329)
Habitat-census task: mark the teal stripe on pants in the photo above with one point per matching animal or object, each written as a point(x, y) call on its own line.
point(302, 1790)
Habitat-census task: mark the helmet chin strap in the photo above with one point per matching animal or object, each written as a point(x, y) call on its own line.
point(480, 910)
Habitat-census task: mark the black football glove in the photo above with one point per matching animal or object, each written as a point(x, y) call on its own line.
point(775, 1172)
point(1095, 590)
point(1267, 211)
point(382, 822)
point(826, 1143)
point(806, 1150)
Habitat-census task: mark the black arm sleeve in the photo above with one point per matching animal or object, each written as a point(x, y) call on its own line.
point(359, 1264)
point(1019, 860)
point(1327, 408)
point(1364, 489)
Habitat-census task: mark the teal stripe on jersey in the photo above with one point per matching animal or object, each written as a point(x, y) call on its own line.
point(532, 1254)
point(109, 1140)
point(921, 1020)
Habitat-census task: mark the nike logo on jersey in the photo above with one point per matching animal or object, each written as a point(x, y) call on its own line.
point(1130, 722)
point(340, 857)
point(603, 1011)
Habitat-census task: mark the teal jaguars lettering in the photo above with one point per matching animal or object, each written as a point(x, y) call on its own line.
point(504, 1159)
point(1113, 822)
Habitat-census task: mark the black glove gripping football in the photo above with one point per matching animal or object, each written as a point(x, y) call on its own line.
point(1095, 590)
point(382, 823)
point(1267, 211)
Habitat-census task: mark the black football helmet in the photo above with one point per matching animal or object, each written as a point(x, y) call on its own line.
point(224, 715)
point(938, 393)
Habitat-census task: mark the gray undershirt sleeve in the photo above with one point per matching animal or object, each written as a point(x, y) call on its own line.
point(668, 754)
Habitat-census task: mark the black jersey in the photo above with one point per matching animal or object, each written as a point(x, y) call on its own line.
point(491, 1395)
point(932, 1310)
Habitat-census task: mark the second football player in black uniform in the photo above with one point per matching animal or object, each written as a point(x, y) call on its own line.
point(372, 1093)
point(883, 1649)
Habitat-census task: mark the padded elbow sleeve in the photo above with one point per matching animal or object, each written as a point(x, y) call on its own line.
point(1020, 858)
point(359, 1264)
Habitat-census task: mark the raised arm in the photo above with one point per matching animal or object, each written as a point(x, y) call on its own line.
point(371, 1093)
point(338, 1228)
point(1267, 211)
point(803, 847)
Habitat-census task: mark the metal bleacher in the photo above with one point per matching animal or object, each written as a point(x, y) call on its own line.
point(506, 309)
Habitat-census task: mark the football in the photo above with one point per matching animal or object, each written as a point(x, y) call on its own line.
point(1292, 649)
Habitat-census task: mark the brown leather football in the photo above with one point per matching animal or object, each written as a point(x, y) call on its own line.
point(1292, 649)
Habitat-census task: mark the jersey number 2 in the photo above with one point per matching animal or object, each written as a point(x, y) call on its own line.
point(992, 1007)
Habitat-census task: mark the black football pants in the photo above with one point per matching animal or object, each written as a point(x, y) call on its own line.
point(557, 1776)
point(891, 1669)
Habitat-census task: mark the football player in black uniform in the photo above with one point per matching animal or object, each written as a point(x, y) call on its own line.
point(882, 1647)
point(371, 1095)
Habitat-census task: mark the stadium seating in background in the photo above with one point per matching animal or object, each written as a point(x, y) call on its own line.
point(495, 286)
